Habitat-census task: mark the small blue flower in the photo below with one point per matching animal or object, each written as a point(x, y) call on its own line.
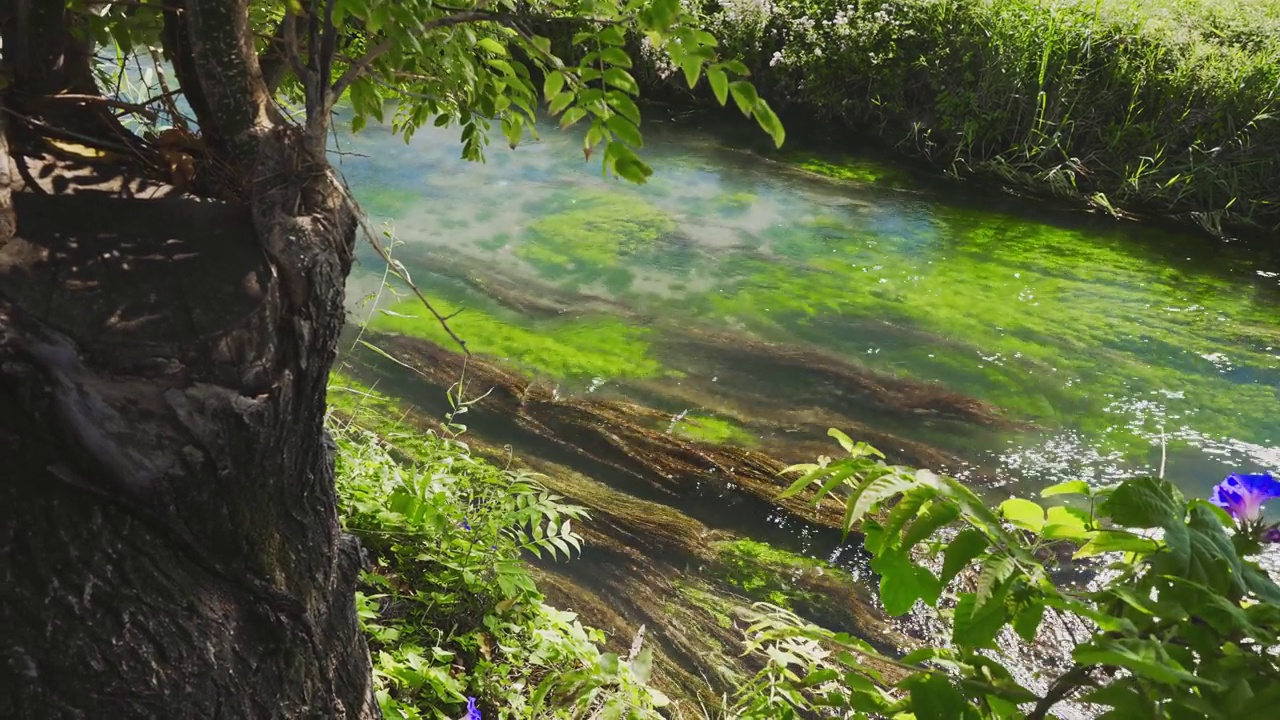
point(1244, 495)
point(472, 712)
point(465, 525)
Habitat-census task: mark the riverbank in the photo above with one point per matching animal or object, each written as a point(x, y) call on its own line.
point(450, 604)
point(1159, 108)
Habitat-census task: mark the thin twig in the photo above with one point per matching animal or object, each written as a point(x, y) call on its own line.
point(55, 131)
point(1066, 683)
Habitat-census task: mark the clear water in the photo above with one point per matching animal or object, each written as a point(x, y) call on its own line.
point(1106, 348)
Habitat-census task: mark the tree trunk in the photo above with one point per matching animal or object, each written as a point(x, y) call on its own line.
point(168, 530)
point(169, 542)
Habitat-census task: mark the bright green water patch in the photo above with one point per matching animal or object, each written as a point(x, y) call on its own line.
point(713, 430)
point(1045, 321)
point(851, 170)
point(568, 349)
point(595, 236)
point(1102, 334)
point(387, 201)
point(767, 574)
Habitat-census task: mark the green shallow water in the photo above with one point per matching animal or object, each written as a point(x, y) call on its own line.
point(1106, 345)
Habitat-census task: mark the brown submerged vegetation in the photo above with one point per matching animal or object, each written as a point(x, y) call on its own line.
point(648, 564)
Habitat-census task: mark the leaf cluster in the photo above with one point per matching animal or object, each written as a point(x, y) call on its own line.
point(449, 605)
point(1184, 623)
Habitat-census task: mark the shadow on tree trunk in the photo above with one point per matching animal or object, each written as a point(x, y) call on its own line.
point(169, 542)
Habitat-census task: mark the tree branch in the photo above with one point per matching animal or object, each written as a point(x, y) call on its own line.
point(361, 65)
point(1066, 683)
point(275, 60)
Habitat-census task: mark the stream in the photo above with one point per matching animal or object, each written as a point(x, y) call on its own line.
point(750, 299)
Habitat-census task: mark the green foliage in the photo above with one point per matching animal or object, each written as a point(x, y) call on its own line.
point(475, 64)
point(1184, 622)
point(449, 607)
point(490, 71)
point(1165, 105)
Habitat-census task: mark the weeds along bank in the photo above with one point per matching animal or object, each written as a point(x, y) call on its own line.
point(455, 623)
point(1161, 106)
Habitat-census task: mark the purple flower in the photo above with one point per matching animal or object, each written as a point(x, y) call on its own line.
point(1243, 495)
point(465, 525)
point(472, 712)
point(1272, 535)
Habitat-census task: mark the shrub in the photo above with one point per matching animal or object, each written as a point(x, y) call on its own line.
point(1165, 106)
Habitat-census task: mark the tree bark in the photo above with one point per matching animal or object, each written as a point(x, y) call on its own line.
point(169, 541)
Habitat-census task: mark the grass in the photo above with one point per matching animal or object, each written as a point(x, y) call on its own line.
point(1166, 106)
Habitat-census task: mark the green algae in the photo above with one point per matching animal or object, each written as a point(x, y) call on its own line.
point(1048, 322)
point(594, 236)
point(713, 430)
point(387, 201)
point(850, 170)
point(732, 203)
point(562, 348)
point(767, 574)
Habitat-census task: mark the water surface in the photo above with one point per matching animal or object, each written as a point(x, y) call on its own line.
point(1107, 348)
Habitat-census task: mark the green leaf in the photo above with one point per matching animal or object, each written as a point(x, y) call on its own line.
point(904, 511)
point(1143, 657)
point(608, 663)
point(769, 122)
point(1145, 503)
point(995, 571)
point(744, 94)
point(962, 549)
point(1117, 541)
point(1260, 583)
point(1023, 513)
point(719, 84)
point(1026, 622)
point(490, 45)
point(1071, 487)
point(616, 56)
point(624, 129)
point(553, 84)
point(623, 105)
point(933, 697)
point(939, 514)
point(976, 625)
point(642, 665)
point(691, 65)
point(831, 482)
point(560, 102)
point(902, 583)
point(813, 474)
point(621, 79)
point(841, 437)
point(571, 116)
point(612, 35)
point(1129, 701)
point(1065, 523)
